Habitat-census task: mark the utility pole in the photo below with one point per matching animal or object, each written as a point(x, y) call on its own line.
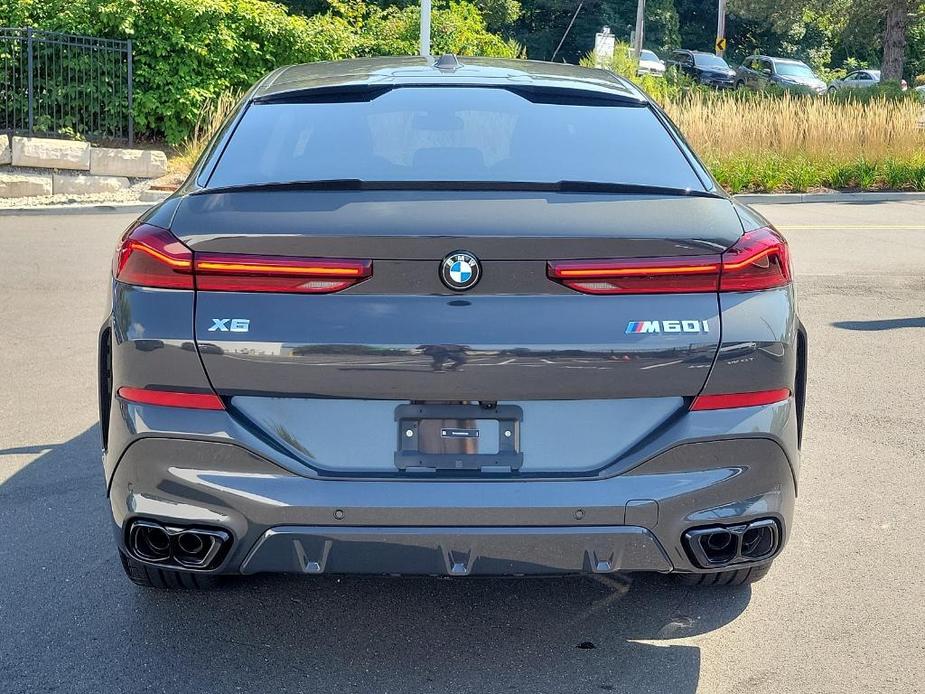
point(425, 28)
point(640, 26)
point(567, 30)
point(721, 29)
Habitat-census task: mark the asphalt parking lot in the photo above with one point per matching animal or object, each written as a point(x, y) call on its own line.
point(842, 610)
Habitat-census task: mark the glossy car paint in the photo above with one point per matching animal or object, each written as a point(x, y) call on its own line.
point(299, 468)
point(703, 67)
point(759, 72)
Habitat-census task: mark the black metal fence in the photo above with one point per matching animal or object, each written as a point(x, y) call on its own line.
point(65, 85)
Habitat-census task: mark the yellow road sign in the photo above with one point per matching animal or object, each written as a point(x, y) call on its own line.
point(721, 43)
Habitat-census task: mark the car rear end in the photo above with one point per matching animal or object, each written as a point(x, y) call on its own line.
point(451, 327)
point(713, 71)
point(650, 64)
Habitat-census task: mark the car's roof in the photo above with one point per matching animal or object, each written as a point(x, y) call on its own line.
point(792, 61)
point(445, 71)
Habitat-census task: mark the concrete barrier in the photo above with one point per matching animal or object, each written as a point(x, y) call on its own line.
point(51, 154)
point(6, 154)
point(85, 185)
point(24, 185)
point(134, 163)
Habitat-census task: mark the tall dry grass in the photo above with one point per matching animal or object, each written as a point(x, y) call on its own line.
point(792, 142)
point(212, 116)
point(721, 125)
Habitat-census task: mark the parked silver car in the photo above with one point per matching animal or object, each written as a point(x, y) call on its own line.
point(860, 79)
point(856, 80)
point(761, 71)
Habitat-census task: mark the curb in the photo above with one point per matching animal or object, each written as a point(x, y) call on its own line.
point(128, 207)
point(794, 198)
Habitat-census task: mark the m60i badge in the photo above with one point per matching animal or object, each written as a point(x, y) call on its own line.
point(667, 326)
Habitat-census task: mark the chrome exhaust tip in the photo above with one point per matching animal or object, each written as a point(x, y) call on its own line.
point(149, 541)
point(188, 548)
point(724, 545)
point(198, 548)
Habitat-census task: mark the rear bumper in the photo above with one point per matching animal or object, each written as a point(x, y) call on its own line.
point(458, 551)
point(719, 82)
point(284, 522)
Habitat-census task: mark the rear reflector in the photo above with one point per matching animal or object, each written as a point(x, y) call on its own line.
point(729, 400)
point(169, 398)
point(153, 257)
point(759, 260)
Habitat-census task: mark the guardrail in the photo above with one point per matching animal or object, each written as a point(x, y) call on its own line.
point(65, 85)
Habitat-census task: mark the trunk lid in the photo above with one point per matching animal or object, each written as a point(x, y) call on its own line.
point(323, 375)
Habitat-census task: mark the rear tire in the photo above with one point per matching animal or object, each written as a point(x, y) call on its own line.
point(153, 577)
point(735, 577)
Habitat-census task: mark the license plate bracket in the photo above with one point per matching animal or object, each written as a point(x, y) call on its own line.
point(424, 428)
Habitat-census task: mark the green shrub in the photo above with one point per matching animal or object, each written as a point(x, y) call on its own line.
point(673, 85)
point(456, 27)
point(767, 172)
point(891, 90)
point(187, 52)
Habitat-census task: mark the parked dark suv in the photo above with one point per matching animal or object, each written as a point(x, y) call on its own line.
point(761, 71)
point(486, 317)
point(706, 68)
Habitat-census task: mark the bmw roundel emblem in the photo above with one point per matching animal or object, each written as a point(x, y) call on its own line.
point(460, 270)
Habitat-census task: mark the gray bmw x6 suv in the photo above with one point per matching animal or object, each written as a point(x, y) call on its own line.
point(450, 317)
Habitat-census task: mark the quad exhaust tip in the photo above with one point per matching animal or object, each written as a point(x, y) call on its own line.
point(187, 548)
point(734, 544)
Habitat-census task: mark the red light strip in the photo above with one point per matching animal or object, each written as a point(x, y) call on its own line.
point(261, 265)
point(169, 398)
point(751, 260)
point(730, 400)
point(179, 264)
point(580, 269)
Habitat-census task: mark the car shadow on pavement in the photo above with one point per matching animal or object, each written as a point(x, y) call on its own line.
point(72, 621)
point(881, 324)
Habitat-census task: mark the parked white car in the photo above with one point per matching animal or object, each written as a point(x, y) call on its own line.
point(649, 63)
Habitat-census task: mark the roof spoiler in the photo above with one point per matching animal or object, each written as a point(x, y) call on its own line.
point(541, 94)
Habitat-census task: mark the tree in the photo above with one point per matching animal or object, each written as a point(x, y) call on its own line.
point(499, 15)
point(852, 20)
point(898, 13)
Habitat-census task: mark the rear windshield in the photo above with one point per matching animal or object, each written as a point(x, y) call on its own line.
point(452, 134)
point(794, 70)
point(707, 60)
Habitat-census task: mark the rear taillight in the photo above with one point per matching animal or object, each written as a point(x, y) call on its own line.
point(153, 257)
point(638, 276)
point(242, 273)
point(758, 260)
